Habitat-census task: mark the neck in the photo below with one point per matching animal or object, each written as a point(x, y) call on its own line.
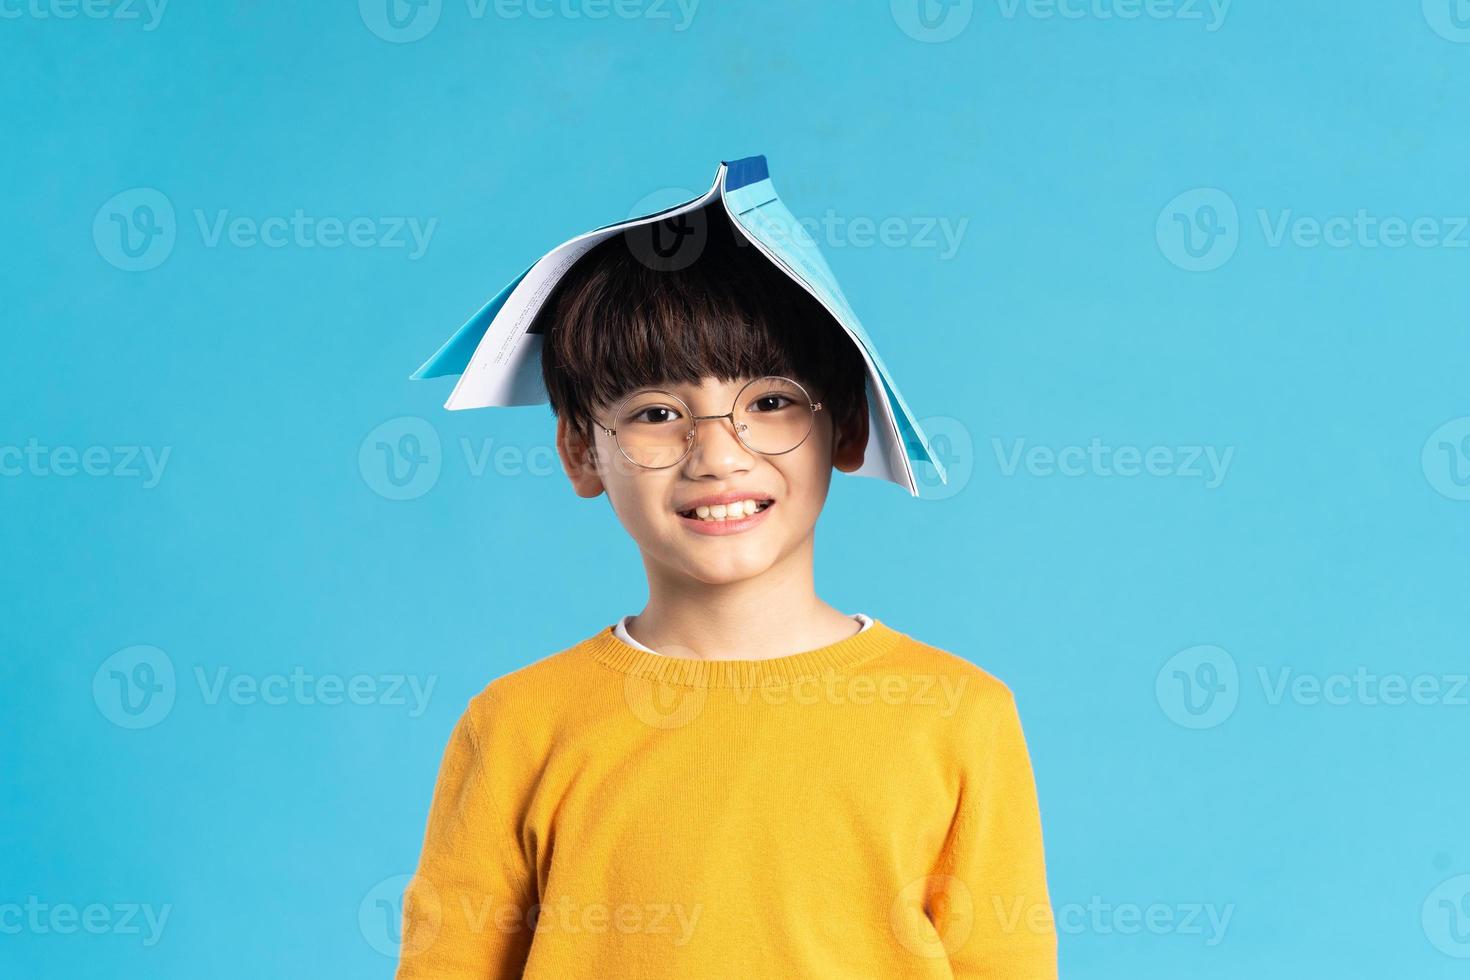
point(770, 615)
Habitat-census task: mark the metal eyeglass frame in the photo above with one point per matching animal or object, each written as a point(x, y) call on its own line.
point(694, 421)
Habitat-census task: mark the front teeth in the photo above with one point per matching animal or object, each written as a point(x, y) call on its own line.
point(727, 512)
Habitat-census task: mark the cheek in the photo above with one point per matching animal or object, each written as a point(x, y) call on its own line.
point(806, 475)
point(638, 506)
point(816, 452)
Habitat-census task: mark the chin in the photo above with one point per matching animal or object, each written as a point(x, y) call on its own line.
point(726, 569)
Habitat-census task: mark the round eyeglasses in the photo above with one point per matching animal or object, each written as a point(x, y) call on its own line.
point(655, 429)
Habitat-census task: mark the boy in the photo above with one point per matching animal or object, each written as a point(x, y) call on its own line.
point(739, 780)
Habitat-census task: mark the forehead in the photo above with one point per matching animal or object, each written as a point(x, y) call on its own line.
point(710, 384)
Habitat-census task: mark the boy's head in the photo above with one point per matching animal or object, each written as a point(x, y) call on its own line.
point(622, 320)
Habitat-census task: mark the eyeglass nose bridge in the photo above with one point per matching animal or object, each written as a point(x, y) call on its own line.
point(693, 434)
point(728, 415)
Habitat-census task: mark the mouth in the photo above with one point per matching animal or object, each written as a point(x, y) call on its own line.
point(727, 512)
point(726, 518)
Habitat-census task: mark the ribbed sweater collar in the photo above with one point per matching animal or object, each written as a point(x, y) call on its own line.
point(605, 648)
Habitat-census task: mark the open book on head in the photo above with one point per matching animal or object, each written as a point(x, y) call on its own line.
point(497, 356)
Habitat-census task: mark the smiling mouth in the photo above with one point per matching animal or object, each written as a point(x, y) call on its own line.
point(719, 513)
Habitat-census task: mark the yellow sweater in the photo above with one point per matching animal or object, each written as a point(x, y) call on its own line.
point(862, 810)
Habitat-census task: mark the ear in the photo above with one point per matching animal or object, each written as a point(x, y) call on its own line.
point(850, 439)
point(578, 459)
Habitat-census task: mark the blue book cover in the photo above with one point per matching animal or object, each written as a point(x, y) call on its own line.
point(496, 354)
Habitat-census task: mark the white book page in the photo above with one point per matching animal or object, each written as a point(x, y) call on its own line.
point(504, 369)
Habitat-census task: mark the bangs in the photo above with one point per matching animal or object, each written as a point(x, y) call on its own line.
point(626, 317)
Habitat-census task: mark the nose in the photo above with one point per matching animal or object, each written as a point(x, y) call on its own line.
point(717, 450)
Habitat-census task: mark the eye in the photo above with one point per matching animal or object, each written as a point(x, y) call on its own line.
point(655, 414)
point(771, 403)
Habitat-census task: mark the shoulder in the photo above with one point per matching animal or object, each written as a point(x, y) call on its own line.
point(977, 697)
point(915, 655)
point(534, 696)
point(981, 728)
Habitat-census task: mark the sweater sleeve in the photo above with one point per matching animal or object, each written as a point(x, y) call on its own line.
point(466, 909)
point(988, 897)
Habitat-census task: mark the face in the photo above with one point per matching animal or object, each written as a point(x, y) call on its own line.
point(654, 505)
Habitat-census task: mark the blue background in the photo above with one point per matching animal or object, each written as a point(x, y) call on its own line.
point(270, 542)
